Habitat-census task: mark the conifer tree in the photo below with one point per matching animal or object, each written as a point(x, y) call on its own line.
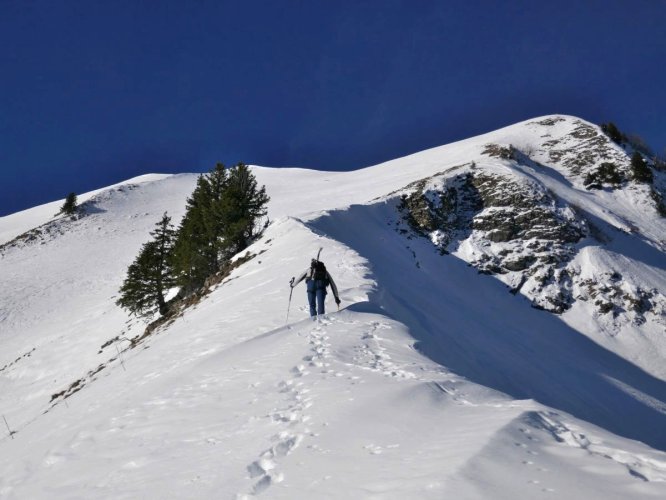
point(239, 210)
point(151, 274)
point(639, 169)
point(220, 220)
point(218, 182)
point(195, 255)
point(611, 130)
point(70, 206)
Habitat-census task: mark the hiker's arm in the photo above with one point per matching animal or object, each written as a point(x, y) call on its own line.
point(300, 278)
point(334, 288)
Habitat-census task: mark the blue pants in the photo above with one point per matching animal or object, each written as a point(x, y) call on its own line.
point(316, 296)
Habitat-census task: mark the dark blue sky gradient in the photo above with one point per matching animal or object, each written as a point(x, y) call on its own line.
point(92, 93)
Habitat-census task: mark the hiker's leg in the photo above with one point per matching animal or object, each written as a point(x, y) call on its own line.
point(312, 300)
point(312, 297)
point(321, 297)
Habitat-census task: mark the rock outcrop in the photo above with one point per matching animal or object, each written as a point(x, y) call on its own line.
point(497, 216)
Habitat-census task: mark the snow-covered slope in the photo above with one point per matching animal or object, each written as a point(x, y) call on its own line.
point(16, 224)
point(432, 381)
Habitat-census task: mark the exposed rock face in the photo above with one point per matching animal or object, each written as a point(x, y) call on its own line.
point(590, 157)
point(522, 211)
point(583, 149)
point(444, 213)
point(614, 296)
point(511, 226)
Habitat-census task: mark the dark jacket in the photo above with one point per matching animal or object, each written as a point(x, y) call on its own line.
point(307, 276)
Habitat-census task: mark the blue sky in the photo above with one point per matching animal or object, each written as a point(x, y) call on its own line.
point(92, 93)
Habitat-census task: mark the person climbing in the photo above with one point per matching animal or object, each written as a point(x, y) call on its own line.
point(317, 279)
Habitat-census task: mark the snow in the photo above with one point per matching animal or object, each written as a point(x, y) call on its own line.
point(431, 381)
point(13, 225)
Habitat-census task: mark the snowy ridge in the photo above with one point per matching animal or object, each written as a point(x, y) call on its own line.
point(13, 225)
point(431, 381)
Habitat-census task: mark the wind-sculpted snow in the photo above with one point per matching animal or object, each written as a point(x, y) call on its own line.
point(469, 324)
point(431, 381)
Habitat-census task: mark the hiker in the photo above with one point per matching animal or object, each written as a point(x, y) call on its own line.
point(316, 280)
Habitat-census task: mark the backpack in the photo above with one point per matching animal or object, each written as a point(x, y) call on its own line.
point(319, 272)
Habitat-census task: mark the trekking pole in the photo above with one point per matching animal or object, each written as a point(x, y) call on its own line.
point(291, 286)
point(11, 432)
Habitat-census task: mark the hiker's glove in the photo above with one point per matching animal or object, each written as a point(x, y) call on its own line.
point(337, 301)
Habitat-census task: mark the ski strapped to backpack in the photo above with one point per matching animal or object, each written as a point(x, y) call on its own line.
point(319, 272)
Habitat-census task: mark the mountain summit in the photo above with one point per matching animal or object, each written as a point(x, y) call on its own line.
point(501, 334)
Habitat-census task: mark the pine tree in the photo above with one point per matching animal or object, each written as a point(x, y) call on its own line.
point(240, 209)
point(218, 182)
point(220, 220)
point(195, 253)
point(70, 206)
point(151, 274)
point(640, 170)
point(611, 130)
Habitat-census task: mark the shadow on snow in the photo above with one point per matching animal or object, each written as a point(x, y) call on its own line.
point(473, 326)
